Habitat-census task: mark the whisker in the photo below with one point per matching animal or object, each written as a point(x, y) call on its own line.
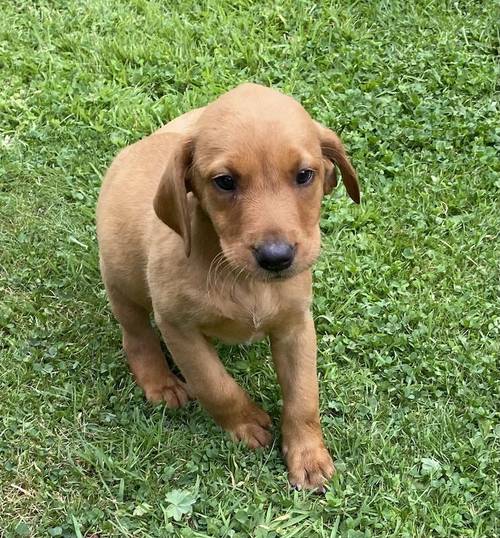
point(224, 275)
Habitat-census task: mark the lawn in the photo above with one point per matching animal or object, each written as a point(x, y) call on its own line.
point(406, 291)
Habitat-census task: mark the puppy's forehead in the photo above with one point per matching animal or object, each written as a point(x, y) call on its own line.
point(254, 119)
point(252, 99)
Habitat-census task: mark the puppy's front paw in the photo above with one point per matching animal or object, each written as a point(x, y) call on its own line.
point(309, 465)
point(170, 390)
point(252, 427)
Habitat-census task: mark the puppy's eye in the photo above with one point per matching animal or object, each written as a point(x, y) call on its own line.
point(225, 182)
point(304, 177)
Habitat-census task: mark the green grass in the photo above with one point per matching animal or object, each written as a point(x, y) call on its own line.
point(406, 292)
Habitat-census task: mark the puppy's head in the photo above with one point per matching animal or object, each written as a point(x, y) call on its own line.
point(259, 166)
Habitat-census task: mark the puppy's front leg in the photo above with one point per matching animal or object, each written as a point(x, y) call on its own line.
point(294, 354)
point(217, 391)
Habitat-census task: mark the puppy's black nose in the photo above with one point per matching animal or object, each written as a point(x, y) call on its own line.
point(274, 255)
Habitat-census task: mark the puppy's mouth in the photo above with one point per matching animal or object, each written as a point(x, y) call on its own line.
point(299, 266)
point(278, 276)
point(249, 270)
point(281, 275)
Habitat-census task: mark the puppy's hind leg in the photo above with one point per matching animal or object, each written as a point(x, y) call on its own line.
point(144, 354)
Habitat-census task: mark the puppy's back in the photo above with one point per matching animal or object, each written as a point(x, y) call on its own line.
point(125, 214)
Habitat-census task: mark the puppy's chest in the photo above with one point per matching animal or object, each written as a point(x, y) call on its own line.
point(243, 316)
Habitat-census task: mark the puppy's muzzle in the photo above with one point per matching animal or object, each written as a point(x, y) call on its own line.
point(274, 256)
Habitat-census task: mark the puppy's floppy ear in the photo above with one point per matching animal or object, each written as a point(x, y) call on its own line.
point(170, 202)
point(334, 152)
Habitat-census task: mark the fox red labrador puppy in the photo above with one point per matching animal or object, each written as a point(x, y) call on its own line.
point(212, 224)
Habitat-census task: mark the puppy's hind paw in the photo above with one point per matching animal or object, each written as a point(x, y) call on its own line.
point(253, 428)
point(309, 467)
point(253, 435)
point(172, 391)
